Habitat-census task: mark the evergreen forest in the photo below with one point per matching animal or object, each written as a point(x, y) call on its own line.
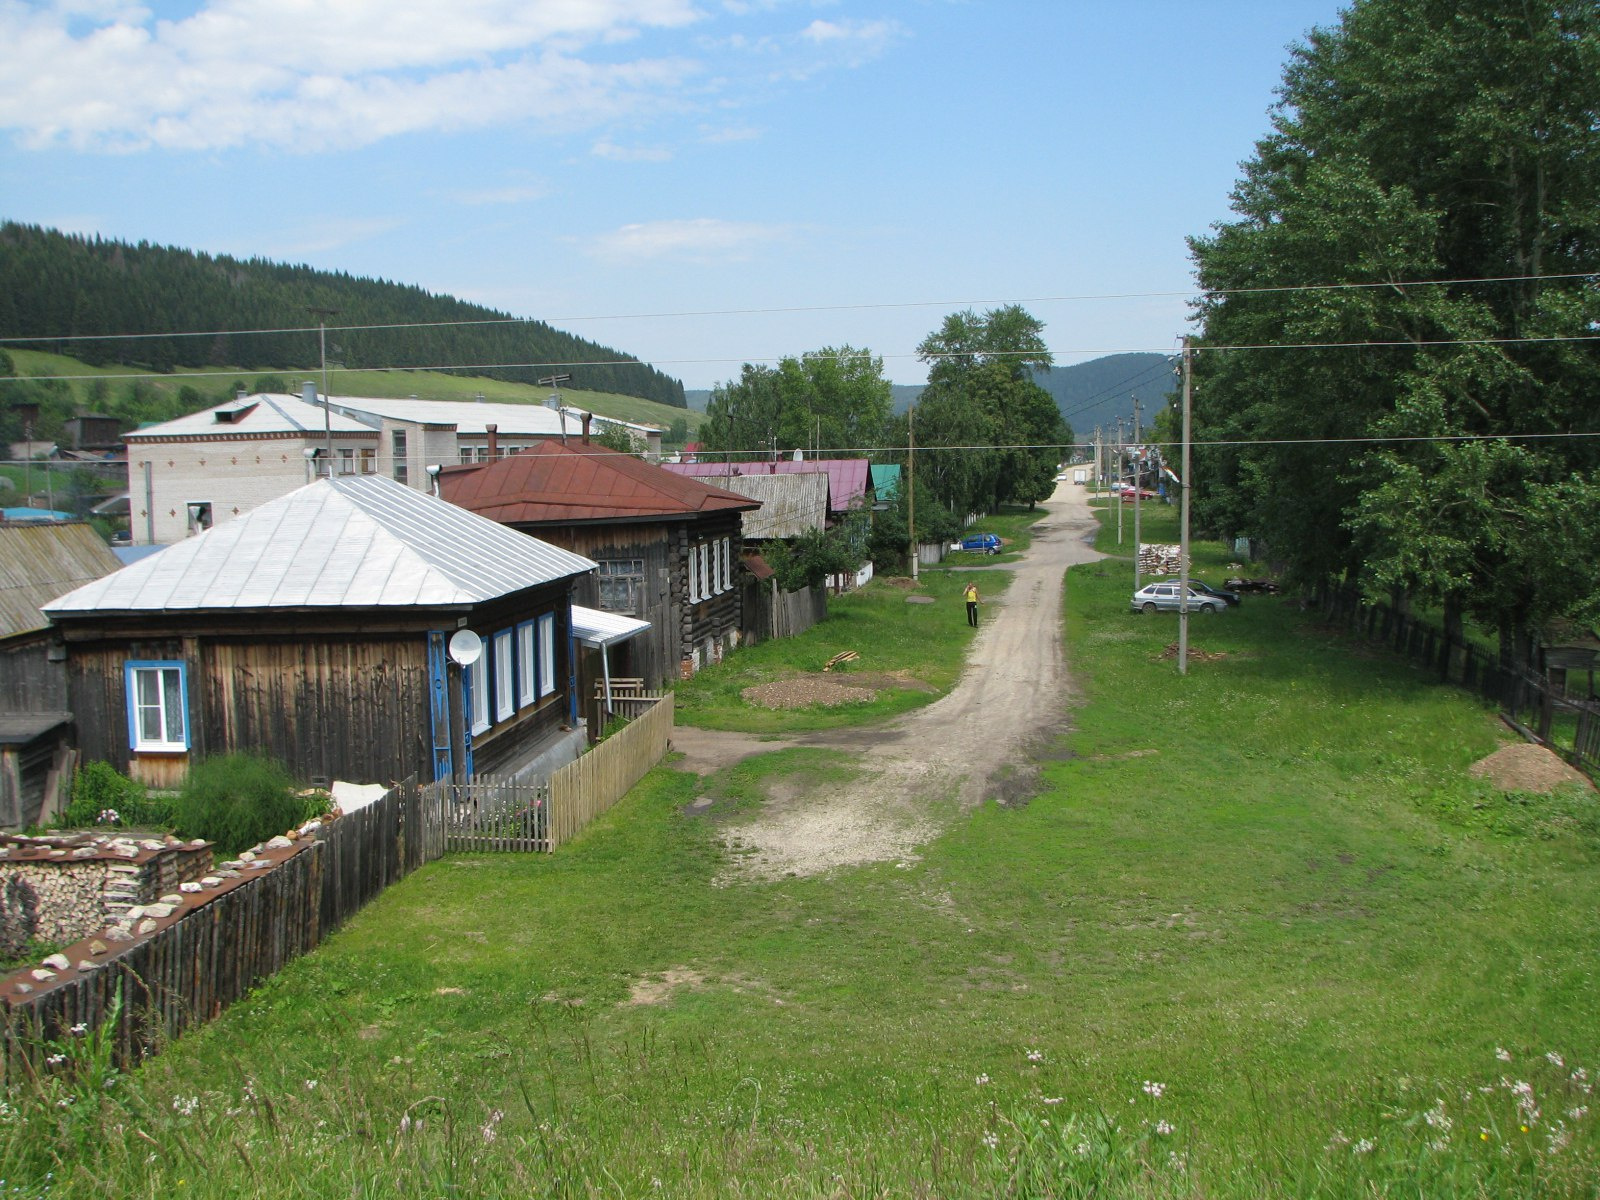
point(55, 285)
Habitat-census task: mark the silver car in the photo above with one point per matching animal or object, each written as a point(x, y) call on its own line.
point(1165, 597)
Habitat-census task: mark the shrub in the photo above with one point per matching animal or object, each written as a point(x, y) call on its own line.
point(102, 796)
point(237, 800)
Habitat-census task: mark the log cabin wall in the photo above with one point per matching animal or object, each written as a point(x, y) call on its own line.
point(32, 682)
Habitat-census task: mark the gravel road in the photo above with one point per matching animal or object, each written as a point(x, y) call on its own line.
point(976, 743)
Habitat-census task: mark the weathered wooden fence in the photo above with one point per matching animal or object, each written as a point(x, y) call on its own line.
point(586, 787)
point(192, 969)
point(1529, 702)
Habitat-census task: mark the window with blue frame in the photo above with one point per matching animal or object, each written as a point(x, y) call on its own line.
point(158, 706)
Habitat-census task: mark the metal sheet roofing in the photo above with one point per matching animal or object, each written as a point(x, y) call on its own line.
point(357, 542)
point(552, 483)
point(252, 416)
point(847, 477)
point(790, 504)
point(595, 628)
point(472, 417)
point(39, 562)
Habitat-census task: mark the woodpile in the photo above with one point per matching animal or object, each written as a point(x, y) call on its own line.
point(1157, 559)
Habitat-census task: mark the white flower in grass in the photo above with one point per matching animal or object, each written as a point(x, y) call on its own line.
point(1052, 1099)
point(80, 1029)
point(1154, 1089)
point(55, 1060)
point(185, 1106)
point(1163, 1127)
point(1554, 1059)
point(1502, 1054)
point(311, 1085)
point(1579, 1113)
point(1035, 1055)
point(991, 1140)
point(1364, 1146)
point(981, 1080)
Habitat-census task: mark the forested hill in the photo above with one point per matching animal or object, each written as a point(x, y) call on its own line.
point(54, 284)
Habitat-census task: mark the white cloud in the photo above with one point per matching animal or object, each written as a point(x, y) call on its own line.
point(98, 74)
point(512, 193)
point(605, 148)
point(700, 239)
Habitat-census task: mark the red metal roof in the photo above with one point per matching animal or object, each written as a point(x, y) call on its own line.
point(847, 477)
point(551, 483)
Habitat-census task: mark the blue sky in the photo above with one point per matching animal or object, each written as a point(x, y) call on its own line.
point(701, 183)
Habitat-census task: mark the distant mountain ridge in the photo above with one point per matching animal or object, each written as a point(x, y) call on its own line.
point(55, 285)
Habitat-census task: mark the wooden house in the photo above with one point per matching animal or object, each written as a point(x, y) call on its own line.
point(316, 629)
point(667, 547)
point(38, 562)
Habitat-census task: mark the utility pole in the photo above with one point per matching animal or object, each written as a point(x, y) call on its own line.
point(555, 382)
point(1183, 537)
point(322, 315)
point(1099, 460)
point(1116, 497)
point(911, 486)
point(1138, 487)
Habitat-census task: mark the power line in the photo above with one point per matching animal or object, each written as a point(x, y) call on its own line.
point(1200, 349)
point(810, 308)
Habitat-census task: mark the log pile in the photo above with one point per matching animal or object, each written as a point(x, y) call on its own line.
point(1157, 559)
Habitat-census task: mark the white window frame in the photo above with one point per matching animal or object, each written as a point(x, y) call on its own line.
point(505, 695)
point(547, 654)
point(705, 572)
point(476, 676)
point(526, 665)
point(727, 564)
point(172, 733)
point(694, 574)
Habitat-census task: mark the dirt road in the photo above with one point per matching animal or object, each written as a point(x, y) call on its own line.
point(973, 744)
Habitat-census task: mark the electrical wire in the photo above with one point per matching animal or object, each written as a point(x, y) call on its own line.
point(813, 308)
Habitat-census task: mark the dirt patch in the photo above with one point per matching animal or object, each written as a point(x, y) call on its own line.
point(1525, 767)
point(658, 989)
point(806, 690)
point(1171, 652)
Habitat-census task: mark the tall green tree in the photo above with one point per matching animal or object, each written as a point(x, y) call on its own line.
point(1432, 432)
point(834, 402)
point(993, 434)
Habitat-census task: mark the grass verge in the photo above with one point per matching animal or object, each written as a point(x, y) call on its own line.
point(1259, 936)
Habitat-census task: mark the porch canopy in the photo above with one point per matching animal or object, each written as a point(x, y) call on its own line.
point(602, 630)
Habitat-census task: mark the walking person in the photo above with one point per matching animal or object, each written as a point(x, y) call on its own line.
point(972, 604)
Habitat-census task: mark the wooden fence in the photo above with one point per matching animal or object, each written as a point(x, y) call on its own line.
point(1538, 709)
point(588, 786)
point(192, 969)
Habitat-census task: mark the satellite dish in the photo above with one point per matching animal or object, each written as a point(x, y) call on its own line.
point(466, 647)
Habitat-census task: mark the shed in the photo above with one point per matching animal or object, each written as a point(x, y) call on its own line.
point(38, 562)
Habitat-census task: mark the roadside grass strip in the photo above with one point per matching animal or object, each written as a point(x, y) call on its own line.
point(1260, 935)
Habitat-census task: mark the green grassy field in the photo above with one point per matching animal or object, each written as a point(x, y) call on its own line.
point(1258, 935)
point(426, 385)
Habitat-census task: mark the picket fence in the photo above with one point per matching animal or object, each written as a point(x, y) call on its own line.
point(189, 971)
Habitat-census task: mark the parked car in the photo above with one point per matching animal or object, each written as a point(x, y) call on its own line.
point(1166, 597)
point(1227, 597)
point(986, 543)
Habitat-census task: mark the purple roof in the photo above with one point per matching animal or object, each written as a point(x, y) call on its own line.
point(847, 477)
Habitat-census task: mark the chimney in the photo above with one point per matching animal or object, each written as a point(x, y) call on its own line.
point(308, 391)
point(494, 441)
point(587, 417)
point(240, 394)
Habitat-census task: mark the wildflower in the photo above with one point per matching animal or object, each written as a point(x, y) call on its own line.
point(1176, 1161)
point(110, 816)
point(183, 1107)
point(1081, 1149)
point(1338, 1139)
point(1439, 1145)
point(991, 1140)
point(1483, 1135)
point(1436, 1119)
point(1154, 1089)
point(80, 1029)
point(55, 1060)
point(1502, 1054)
point(1364, 1146)
point(311, 1085)
point(1554, 1059)
point(1035, 1056)
point(981, 1080)
point(1163, 1128)
point(1579, 1075)
point(1524, 1128)
point(489, 1131)
point(1052, 1099)
point(1579, 1113)
point(64, 1102)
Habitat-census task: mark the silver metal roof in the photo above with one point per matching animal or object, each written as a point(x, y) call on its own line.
point(474, 417)
point(263, 413)
point(595, 628)
point(352, 542)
